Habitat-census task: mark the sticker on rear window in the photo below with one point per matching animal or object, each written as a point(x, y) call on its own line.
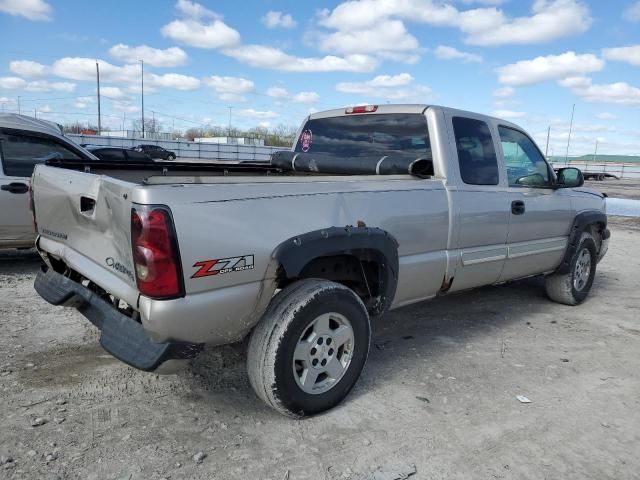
point(305, 140)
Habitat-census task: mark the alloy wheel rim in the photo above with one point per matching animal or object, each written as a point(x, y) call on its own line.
point(323, 353)
point(582, 270)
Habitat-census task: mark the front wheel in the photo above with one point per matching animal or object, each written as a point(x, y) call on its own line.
point(309, 348)
point(171, 156)
point(572, 288)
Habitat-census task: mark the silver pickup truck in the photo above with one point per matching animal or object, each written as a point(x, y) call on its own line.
point(374, 208)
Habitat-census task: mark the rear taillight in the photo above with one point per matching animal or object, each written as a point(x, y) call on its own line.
point(362, 109)
point(155, 252)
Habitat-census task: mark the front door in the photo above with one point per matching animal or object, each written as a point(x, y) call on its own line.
point(540, 217)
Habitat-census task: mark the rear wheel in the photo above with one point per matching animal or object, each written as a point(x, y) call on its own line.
point(308, 350)
point(573, 287)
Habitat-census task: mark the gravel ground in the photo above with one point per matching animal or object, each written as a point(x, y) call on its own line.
point(438, 395)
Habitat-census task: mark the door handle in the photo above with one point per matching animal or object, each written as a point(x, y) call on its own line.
point(15, 187)
point(517, 207)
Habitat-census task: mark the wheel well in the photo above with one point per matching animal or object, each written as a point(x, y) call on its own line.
point(363, 271)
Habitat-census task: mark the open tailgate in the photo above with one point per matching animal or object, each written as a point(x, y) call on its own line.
point(84, 220)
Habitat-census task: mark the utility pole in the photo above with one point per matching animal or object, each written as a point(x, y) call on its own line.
point(566, 157)
point(35, 113)
point(229, 132)
point(546, 151)
point(99, 116)
point(19, 111)
point(595, 153)
point(142, 88)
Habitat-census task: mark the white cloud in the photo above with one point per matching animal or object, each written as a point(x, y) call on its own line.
point(306, 97)
point(399, 87)
point(83, 102)
point(484, 2)
point(194, 10)
point(251, 113)
point(632, 14)
point(31, 9)
point(125, 106)
point(171, 80)
point(215, 34)
point(231, 89)
point(169, 57)
point(444, 52)
point(617, 93)
point(551, 67)
point(606, 116)
point(12, 83)
point(278, 19)
point(46, 86)
point(113, 92)
point(270, 57)
point(16, 83)
point(508, 114)
point(27, 68)
point(391, 80)
point(84, 69)
point(45, 109)
point(504, 92)
point(549, 19)
point(280, 93)
point(630, 54)
point(385, 36)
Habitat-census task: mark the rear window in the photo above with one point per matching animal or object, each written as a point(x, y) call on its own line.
point(366, 136)
point(476, 153)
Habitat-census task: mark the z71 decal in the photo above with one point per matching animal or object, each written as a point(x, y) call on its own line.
point(206, 268)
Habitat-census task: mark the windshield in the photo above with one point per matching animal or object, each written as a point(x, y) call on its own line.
point(369, 135)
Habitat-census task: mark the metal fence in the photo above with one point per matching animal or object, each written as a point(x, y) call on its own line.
point(185, 149)
point(620, 170)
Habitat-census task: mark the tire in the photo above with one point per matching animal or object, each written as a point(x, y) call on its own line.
point(291, 341)
point(171, 157)
point(573, 287)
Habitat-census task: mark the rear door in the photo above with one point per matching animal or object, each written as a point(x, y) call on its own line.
point(540, 216)
point(20, 151)
point(479, 205)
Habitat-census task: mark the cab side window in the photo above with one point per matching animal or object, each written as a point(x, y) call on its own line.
point(476, 153)
point(21, 153)
point(526, 167)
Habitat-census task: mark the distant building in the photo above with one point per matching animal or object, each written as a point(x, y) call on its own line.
point(256, 142)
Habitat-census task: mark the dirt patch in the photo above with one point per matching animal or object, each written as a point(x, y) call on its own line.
point(438, 394)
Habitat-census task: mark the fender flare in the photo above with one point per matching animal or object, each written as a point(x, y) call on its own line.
point(295, 253)
point(580, 223)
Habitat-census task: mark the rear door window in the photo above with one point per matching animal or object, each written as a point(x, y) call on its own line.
point(476, 152)
point(22, 152)
point(368, 135)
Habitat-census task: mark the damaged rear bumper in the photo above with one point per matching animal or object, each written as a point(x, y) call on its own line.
point(121, 336)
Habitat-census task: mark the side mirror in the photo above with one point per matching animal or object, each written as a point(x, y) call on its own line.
point(569, 178)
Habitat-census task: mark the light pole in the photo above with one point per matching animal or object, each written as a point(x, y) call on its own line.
point(142, 89)
point(98, 82)
point(566, 157)
point(546, 151)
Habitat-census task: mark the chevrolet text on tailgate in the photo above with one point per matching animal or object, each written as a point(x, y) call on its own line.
point(375, 207)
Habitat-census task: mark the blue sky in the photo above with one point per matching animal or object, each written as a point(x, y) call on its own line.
point(274, 62)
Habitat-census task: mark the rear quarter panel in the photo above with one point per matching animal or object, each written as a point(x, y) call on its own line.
point(218, 221)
